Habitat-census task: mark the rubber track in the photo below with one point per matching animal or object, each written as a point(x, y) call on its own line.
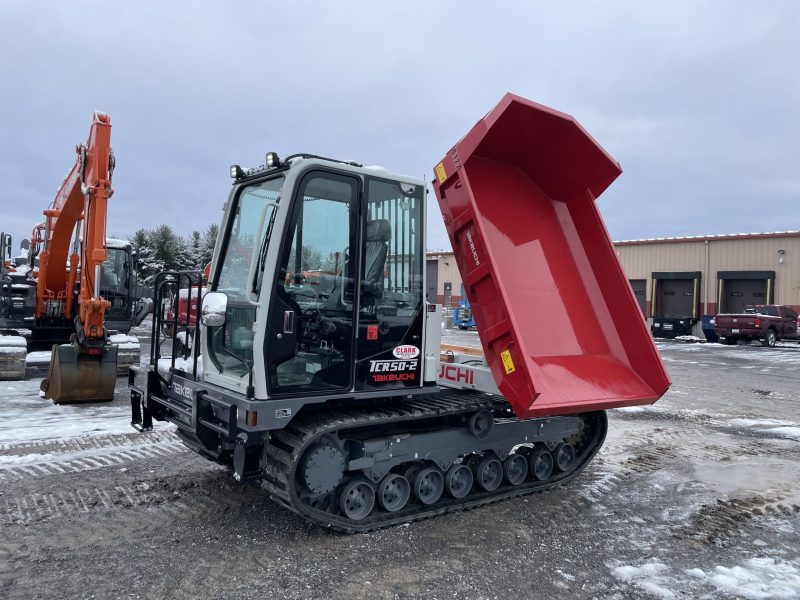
point(285, 448)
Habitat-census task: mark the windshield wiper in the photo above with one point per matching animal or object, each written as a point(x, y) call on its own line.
point(262, 256)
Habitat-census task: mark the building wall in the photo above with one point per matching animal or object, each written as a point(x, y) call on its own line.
point(709, 255)
point(712, 255)
point(448, 272)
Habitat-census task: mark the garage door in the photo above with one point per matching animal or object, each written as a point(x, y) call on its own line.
point(676, 294)
point(737, 289)
point(639, 287)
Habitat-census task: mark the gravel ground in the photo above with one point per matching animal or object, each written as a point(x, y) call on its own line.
point(696, 495)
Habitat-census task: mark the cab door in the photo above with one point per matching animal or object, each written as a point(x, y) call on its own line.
point(391, 307)
point(310, 333)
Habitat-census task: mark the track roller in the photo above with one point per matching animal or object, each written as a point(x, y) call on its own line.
point(515, 468)
point(540, 464)
point(564, 456)
point(357, 499)
point(488, 472)
point(393, 492)
point(428, 485)
point(458, 480)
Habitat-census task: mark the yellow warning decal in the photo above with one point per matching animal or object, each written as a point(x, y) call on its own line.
point(440, 172)
point(508, 363)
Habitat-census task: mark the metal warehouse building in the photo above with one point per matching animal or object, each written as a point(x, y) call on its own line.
point(681, 280)
point(687, 278)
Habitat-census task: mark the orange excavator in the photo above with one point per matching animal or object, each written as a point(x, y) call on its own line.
point(83, 370)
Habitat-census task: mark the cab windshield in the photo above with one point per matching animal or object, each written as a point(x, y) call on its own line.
point(114, 282)
point(246, 242)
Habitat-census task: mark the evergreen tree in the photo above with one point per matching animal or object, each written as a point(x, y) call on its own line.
point(147, 264)
point(207, 242)
point(196, 251)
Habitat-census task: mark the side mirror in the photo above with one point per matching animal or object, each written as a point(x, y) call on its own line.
point(214, 307)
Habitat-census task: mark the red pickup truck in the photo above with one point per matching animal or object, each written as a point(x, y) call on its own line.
point(766, 322)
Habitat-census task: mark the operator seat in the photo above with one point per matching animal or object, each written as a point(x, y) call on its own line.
point(376, 249)
point(379, 232)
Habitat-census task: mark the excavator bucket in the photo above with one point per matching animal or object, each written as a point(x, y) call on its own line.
point(558, 321)
point(76, 377)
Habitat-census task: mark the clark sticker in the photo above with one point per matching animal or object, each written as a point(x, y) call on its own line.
point(406, 352)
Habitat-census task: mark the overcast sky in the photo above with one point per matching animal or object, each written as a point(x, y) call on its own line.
point(699, 101)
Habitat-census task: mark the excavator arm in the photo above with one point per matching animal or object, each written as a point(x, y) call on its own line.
point(83, 371)
point(83, 195)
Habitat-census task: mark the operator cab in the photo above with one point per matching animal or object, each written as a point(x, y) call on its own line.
point(115, 284)
point(322, 263)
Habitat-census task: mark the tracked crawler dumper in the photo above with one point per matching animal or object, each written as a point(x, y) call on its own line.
point(317, 366)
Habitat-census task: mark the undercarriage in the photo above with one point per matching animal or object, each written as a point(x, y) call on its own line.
point(364, 469)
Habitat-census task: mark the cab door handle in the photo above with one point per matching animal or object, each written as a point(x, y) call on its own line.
point(288, 321)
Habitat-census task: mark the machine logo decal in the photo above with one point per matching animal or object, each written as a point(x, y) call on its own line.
point(508, 363)
point(393, 370)
point(406, 352)
point(441, 173)
point(182, 390)
point(472, 248)
point(457, 374)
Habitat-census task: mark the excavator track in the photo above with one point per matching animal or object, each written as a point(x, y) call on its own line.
point(287, 451)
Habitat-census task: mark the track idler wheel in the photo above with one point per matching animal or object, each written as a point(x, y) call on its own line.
point(515, 469)
point(540, 463)
point(428, 485)
point(489, 473)
point(564, 456)
point(357, 499)
point(458, 480)
point(75, 377)
point(393, 492)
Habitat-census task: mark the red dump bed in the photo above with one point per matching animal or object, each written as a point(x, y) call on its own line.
point(558, 321)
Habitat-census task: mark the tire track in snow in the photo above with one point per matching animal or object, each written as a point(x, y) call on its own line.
point(16, 467)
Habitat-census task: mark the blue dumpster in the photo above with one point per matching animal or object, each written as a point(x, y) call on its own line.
point(708, 329)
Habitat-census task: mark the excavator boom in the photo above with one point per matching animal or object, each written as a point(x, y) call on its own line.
point(84, 370)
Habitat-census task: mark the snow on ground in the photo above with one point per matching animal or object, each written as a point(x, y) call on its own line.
point(789, 432)
point(787, 429)
point(636, 409)
point(786, 353)
point(757, 579)
point(24, 416)
point(649, 577)
point(126, 342)
point(760, 423)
